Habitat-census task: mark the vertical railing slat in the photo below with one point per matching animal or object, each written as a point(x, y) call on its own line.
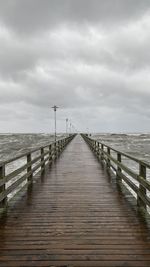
point(42, 159)
point(142, 189)
point(50, 153)
point(29, 167)
point(108, 159)
point(102, 154)
point(3, 203)
point(119, 170)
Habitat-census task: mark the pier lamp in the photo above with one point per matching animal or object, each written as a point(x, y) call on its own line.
point(55, 109)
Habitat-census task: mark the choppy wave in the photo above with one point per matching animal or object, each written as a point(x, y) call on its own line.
point(137, 145)
point(12, 145)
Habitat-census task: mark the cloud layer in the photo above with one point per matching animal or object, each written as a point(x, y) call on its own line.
point(91, 58)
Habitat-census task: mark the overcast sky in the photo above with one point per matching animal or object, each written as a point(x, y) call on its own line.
point(89, 57)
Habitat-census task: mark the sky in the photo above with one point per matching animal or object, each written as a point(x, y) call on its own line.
point(89, 57)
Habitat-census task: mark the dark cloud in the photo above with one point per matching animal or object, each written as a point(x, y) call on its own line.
point(36, 15)
point(89, 57)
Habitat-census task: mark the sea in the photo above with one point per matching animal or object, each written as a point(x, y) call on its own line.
point(135, 144)
point(13, 145)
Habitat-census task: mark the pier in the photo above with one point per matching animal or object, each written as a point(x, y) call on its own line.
point(75, 208)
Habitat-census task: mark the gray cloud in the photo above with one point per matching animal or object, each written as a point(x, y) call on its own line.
point(89, 57)
point(36, 15)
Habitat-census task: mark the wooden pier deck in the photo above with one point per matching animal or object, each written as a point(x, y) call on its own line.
point(74, 216)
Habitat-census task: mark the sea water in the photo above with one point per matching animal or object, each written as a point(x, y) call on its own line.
point(134, 144)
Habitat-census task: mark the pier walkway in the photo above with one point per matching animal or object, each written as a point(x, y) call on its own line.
point(74, 215)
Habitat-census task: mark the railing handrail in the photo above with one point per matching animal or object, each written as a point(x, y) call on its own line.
point(123, 153)
point(2, 163)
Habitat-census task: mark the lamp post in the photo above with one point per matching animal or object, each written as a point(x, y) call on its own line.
point(55, 109)
point(66, 126)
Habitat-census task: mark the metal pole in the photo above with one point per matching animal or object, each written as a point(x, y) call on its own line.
point(55, 125)
point(55, 109)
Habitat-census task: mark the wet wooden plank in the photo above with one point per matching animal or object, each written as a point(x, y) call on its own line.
point(74, 216)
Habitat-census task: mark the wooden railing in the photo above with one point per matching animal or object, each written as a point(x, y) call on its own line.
point(136, 181)
point(31, 162)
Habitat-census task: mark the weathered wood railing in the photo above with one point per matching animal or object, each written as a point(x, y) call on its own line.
point(31, 162)
point(114, 160)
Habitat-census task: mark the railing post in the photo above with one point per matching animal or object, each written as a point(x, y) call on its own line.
point(55, 150)
point(42, 159)
point(3, 203)
point(142, 189)
point(108, 159)
point(61, 144)
point(61, 147)
point(118, 177)
point(50, 154)
point(92, 145)
point(58, 148)
point(98, 154)
point(95, 146)
point(97, 149)
point(102, 154)
point(29, 167)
